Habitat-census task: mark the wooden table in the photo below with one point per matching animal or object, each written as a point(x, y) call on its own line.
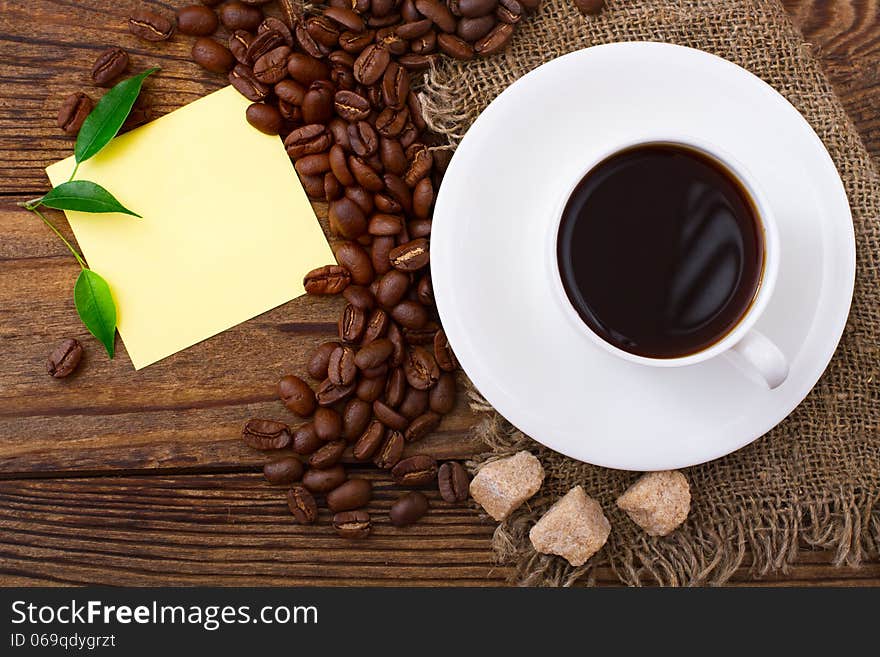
point(121, 477)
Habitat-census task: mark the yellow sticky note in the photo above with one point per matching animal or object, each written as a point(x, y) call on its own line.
point(227, 231)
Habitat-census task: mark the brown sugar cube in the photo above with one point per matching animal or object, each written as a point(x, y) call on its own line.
point(501, 486)
point(658, 502)
point(574, 528)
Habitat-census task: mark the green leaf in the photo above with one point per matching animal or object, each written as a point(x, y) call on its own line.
point(108, 116)
point(96, 309)
point(83, 196)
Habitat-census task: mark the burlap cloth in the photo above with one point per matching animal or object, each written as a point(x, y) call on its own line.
point(814, 481)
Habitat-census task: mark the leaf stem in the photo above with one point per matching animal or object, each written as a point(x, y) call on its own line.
point(63, 239)
point(73, 173)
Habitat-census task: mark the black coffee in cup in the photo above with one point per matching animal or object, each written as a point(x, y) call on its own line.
point(660, 250)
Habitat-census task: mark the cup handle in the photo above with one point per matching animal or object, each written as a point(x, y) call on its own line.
point(764, 356)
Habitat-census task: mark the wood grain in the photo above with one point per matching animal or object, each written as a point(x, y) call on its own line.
point(188, 506)
point(234, 529)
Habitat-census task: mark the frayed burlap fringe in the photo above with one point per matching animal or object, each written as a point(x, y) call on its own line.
point(814, 481)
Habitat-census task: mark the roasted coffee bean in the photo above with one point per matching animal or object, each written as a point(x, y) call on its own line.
point(212, 56)
point(329, 279)
point(408, 508)
point(474, 29)
point(353, 525)
point(443, 352)
point(329, 393)
point(392, 287)
point(363, 139)
point(387, 204)
point(387, 37)
point(211, 3)
point(419, 228)
point(283, 471)
point(328, 424)
point(351, 106)
point(74, 110)
point(369, 441)
point(395, 85)
point(420, 336)
point(371, 64)
point(355, 418)
point(373, 354)
point(150, 26)
point(353, 494)
point(385, 224)
point(476, 8)
point(530, 5)
point(364, 174)
point(390, 452)
point(339, 166)
point(410, 134)
point(319, 360)
point(196, 20)
point(290, 12)
point(297, 395)
point(265, 118)
point(495, 41)
point(420, 368)
point(341, 368)
point(346, 18)
point(245, 82)
point(323, 481)
point(265, 43)
point(395, 388)
point(308, 139)
point(509, 11)
point(392, 155)
point(348, 220)
point(359, 297)
point(332, 189)
point(302, 505)
point(324, 31)
point(418, 470)
point(442, 396)
point(239, 42)
point(396, 336)
point(379, 372)
point(314, 186)
point(377, 326)
point(453, 482)
point(291, 113)
point(306, 69)
point(589, 7)
point(381, 7)
point(328, 455)
point(422, 426)
point(425, 291)
point(391, 121)
point(265, 434)
point(411, 256)
point(414, 404)
point(455, 47)
point(380, 254)
point(420, 163)
point(272, 24)
point(290, 92)
point(307, 43)
point(414, 29)
point(313, 165)
point(64, 358)
point(388, 416)
point(383, 21)
point(416, 62)
point(110, 64)
point(353, 257)
point(355, 42)
point(425, 44)
point(342, 77)
point(360, 196)
point(239, 16)
point(305, 439)
point(352, 324)
point(272, 67)
point(423, 198)
point(438, 13)
point(410, 314)
point(317, 105)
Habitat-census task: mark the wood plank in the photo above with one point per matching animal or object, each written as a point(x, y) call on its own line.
point(234, 529)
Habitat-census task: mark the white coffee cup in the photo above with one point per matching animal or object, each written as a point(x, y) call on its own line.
point(753, 348)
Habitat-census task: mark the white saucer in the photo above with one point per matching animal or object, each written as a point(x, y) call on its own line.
point(486, 256)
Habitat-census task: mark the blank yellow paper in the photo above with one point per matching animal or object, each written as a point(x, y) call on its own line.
point(227, 231)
